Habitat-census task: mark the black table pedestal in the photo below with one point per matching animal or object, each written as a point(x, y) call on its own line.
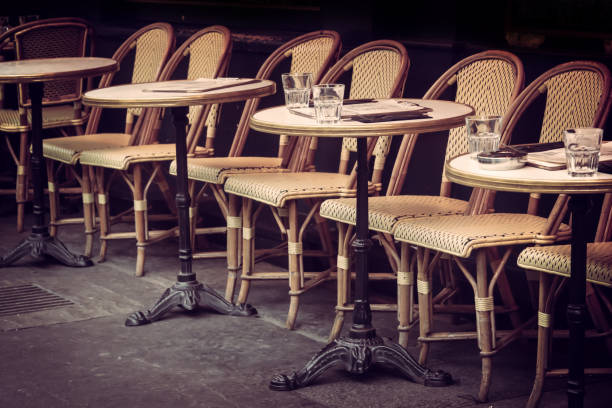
point(362, 348)
point(39, 243)
point(187, 292)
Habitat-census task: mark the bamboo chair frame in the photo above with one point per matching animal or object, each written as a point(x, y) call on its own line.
point(64, 37)
point(462, 74)
point(301, 281)
point(209, 53)
point(306, 56)
point(150, 47)
point(549, 290)
point(490, 340)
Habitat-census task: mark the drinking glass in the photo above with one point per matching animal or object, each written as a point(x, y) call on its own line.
point(582, 147)
point(327, 100)
point(297, 89)
point(483, 134)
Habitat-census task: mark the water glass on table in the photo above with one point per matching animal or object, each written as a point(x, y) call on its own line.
point(327, 99)
point(582, 147)
point(297, 89)
point(483, 133)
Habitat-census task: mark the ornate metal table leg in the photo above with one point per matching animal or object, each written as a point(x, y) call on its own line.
point(576, 309)
point(40, 243)
point(362, 348)
point(187, 292)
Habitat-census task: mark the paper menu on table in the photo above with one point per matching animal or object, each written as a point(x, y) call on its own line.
point(555, 158)
point(357, 108)
point(197, 85)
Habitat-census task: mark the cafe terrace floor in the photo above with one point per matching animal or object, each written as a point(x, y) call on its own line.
point(82, 355)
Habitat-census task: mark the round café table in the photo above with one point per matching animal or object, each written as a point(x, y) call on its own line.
point(464, 170)
point(362, 348)
point(187, 292)
point(35, 72)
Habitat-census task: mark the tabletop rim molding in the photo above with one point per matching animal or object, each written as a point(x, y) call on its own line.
point(175, 99)
point(21, 71)
point(575, 185)
point(359, 129)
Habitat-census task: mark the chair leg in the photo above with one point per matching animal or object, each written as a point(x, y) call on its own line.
point(234, 227)
point(248, 249)
point(140, 215)
point(103, 212)
point(295, 272)
point(343, 278)
point(405, 295)
point(21, 188)
point(88, 208)
point(424, 297)
point(484, 316)
point(53, 197)
point(544, 338)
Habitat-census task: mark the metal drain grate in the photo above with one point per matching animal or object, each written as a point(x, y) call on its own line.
point(28, 298)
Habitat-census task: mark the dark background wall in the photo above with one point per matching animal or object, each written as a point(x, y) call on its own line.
point(436, 34)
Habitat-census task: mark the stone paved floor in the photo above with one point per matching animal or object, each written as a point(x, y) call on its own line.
point(82, 355)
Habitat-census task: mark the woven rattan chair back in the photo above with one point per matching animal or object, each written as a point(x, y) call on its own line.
point(312, 52)
point(378, 70)
point(208, 53)
point(577, 95)
point(150, 48)
point(488, 81)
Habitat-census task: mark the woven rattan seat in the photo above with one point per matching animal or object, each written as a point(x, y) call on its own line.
point(217, 169)
point(555, 259)
point(459, 235)
point(206, 54)
point(385, 211)
point(554, 265)
point(148, 49)
point(503, 74)
point(576, 95)
point(379, 70)
point(62, 110)
point(312, 52)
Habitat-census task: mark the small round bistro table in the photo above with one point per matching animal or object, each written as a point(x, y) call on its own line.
point(187, 292)
point(35, 72)
point(464, 170)
point(362, 348)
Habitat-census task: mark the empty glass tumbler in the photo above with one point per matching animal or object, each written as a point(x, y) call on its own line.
point(483, 133)
point(297, 89)
point(327, 99)
point(582, 147)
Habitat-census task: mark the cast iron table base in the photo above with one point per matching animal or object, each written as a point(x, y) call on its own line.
point(40, 243)
point(362, 348)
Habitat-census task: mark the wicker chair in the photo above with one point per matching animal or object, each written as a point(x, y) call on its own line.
point(208, 52)
point(312, 52)
point(149, 49)
point(379, 70)
point(553, 264)
point(50, 38)
point(488, 81)
point(577, 95)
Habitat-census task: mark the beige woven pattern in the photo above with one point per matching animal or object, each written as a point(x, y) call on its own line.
point(384, 212)
point(377, 84)
point(474, 87)
point(211, 46)
point(275, 189)
point(53, 116)
point(68, 149)
point(555, 259)
point(121, 157)
point(150, 48)
point(459, 235)
point(217, 169)
point(572, 101)
point(309, 56)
